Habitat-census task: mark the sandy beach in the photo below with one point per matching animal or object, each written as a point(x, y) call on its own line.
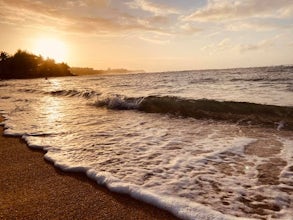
point(31, 188)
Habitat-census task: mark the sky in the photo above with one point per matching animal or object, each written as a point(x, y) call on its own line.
point(151, 35)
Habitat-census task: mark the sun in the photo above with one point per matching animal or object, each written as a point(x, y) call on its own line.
point(51, 48)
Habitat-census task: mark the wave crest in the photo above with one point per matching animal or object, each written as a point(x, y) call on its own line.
point(237, 112)
point(240, 112)
point(118, 103)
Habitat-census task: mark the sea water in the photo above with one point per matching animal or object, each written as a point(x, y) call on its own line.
point(208, 144)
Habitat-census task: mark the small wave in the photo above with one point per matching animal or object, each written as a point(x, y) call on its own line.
point(74, 93)
point(69, 93)
point(5, 97)
point(248, 80)
point(239, 112)
point(119, 103)
point(65, 93)
point(29, 90)
point(204, 80)
point(261, 79)
point(3, 85)
point(290, 87)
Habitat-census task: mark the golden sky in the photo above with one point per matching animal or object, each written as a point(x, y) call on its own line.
point(154, 35)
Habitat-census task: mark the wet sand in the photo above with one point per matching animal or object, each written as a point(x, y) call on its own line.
point(31, 188)
point(256, 203)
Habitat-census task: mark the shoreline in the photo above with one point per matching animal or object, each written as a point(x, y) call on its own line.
point(32, 188)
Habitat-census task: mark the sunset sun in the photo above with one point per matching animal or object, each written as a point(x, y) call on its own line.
point(51, 48)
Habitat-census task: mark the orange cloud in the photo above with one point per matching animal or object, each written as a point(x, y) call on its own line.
point(61, 16)
point(155, 8)
point(219, 10)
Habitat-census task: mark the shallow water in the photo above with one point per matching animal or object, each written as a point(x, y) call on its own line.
point(195, 168)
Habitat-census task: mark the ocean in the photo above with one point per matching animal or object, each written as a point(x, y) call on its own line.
point(205, 144)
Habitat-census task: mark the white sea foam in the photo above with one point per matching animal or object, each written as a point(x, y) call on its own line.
point(286, 175)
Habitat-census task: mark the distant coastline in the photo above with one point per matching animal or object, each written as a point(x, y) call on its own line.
point(79, 71)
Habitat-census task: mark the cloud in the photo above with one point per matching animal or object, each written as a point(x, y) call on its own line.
point(227, 45)
point(28, 13)
point(221, 10)
point(155, 40)
point(262, 45)
point(62, 16)
point(94, 3)
point(223, 45)
point(255, 25)
point(190, 29)
point(155, 8)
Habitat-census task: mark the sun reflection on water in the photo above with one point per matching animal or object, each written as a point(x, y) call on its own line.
point(54, 84)
point(52, 109)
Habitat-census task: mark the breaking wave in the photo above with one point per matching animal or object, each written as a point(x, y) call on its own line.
point(240, 112)
point(237, 112)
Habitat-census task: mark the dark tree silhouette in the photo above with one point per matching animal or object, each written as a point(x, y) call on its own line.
point(26, 65)
point(3, 55)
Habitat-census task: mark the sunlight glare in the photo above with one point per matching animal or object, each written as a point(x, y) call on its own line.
point(51, 48)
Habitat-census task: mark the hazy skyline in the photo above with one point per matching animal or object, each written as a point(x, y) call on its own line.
point(154, 35)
